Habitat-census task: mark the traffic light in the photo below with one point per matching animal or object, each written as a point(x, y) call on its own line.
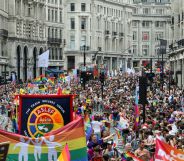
point(2, 80)
point(142, 90)
point(102, 77)
point(150, 76)
point(83, 77)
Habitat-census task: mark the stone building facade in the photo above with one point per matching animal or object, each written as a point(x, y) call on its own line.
point(104, 28)
point(54, 32)
point(176, 54)
point(151, 22)
point(4, 61)
point(26, 36)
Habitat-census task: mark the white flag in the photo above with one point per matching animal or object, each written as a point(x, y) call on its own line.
point(43, 59)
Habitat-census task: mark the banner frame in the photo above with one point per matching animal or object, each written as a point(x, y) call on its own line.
point(43, 96)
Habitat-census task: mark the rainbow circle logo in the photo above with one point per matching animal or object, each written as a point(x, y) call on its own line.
point(44, 119)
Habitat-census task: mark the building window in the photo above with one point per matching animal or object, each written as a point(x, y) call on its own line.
point(72, 23)
point(135, 11)
point(60, 34)
point(159, 35)
point(83, 7)
point(145, 36)
point(52, 53)
point(60, 16)
point(145, 50)
point(83, 23)
point(145, 24)
point(49, 32)
point(55, 33)
point(159, 11)
point(83, 40)
point(52, 15)
point(60, 54)
point(135, 49)
point(52, 33)
point(159, 24)
point(29, 10)
point(72, 6)
point(134, 23)
point(56, 16)
point(134, 35)
point(56, 56)
point(48, 14)
point(146, 11)
point(72, 42)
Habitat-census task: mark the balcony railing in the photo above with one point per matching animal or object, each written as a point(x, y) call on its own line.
point(4, 33)
point(54, 41)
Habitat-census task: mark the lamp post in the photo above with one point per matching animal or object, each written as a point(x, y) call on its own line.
point(163, 45)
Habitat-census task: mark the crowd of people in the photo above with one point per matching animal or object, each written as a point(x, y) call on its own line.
point(111, 115)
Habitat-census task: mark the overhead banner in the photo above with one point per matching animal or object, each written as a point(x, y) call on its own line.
point(165, 152)
point(40, 114)
point(48, 148)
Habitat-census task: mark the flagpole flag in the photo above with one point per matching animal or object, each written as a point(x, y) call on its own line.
point(43, 59)
point(65, 154)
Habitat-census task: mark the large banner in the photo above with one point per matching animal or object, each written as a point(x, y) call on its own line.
point(48, 148)
point(165, 152)
point(40, 114)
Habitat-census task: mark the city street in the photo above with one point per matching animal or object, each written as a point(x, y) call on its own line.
point(91, 80)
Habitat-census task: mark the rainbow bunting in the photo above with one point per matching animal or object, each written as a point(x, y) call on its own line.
point(50, 146)
point(65, 154)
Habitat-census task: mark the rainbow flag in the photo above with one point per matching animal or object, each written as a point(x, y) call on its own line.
point(65, 154)
point(118, 133)
point(50, 146)
point(37, 79)
point(88, 127)
point(87, 119)
point(131, 155)
point(51, 80)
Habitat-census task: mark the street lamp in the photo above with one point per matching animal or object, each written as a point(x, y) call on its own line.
point(163, 45)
